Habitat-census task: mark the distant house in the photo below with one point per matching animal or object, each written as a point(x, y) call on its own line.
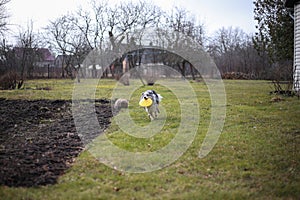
point(45, 58)
point(66, 64)
point(296, 5)
point(34, 62)
point(41, 57)
point(61, 61)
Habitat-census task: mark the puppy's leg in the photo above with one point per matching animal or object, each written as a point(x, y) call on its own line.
point(155, 111)
point(149, 113)
point(151, 117)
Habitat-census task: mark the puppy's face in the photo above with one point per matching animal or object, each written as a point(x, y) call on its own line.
point(148, 94)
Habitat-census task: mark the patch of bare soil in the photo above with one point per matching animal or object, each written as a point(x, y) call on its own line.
point(38, 140)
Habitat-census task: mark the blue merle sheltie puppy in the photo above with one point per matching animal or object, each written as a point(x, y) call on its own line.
point(152, 110)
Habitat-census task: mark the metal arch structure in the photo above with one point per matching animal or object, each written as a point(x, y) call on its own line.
point(152, 56)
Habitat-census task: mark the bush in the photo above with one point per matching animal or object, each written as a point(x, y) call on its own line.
point(238, 75)
point(10, 80)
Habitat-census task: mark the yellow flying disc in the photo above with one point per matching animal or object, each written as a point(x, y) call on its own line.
point(145, 103)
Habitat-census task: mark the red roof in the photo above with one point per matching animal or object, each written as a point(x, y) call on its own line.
point(44, 53)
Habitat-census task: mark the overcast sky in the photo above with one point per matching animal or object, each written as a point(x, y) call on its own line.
point(214, 14)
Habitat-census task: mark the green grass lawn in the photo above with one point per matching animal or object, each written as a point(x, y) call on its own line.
point(256, 157)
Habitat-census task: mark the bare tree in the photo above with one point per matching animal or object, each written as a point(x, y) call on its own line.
point(127, 23)
point(91, 27)
point(17, 63)
point(9, 77)
point(92, 23)
point(182, 21)
point(3, 15)
point(110, 29)
point(4, 48)
point(226, 47)
point(128, 17)
point(234, 51)
point(59, 37)
point(64, 35)
point(26, 50)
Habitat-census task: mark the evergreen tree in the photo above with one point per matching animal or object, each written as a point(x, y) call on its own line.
point(275, 36)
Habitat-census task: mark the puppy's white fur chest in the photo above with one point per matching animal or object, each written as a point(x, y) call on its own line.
point(151, 109)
